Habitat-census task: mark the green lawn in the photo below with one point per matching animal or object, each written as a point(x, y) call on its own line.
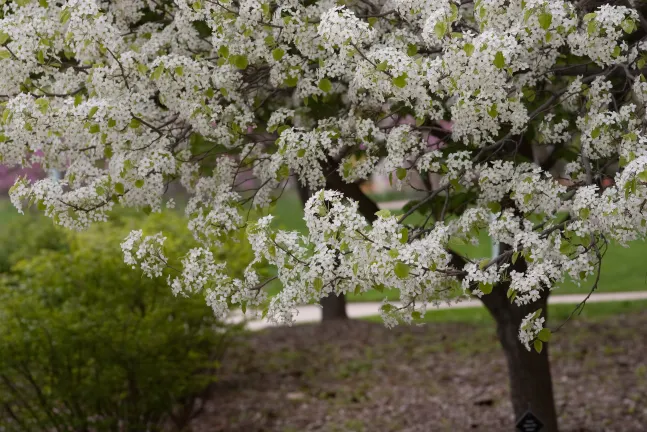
point(557, 314)
point(7, 211)
point(623, 269)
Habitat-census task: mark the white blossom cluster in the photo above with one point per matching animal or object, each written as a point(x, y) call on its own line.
point(530, 115)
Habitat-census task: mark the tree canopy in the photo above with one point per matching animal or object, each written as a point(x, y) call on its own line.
point(525, 109)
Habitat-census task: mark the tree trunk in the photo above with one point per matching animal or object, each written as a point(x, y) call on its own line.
point(531, 386)
point(334, 306)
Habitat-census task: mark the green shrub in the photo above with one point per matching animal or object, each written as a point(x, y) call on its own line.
point(87, 344)
point(24, 236)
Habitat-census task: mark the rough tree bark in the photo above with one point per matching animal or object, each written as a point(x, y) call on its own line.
point(334, 307)
point(531, 386)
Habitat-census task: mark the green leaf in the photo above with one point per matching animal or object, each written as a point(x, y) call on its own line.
point(591, 27)
point(4, 37)
point(4, 54)
point(469, 49)
point(382, 66)
point(379, 288)
point(139, 184)
point(402, 270)
point(401, 173)
point(628, 25)
point(43, 104)
point(545, 19)
point(495, 207)
point(94, 128)
point(440, 29)
point(318, 284)
point(78, 98)
point(492, 111)
point(119, 188)
point(384, 213)
point(589, 16)
point(291, 81)
point(454, 10)
point(93, 111)
point(134, 123)
point(400, 81)
point(372, 21)
point(65, 16)
point(415, 315)
point(240, 61)
point(223, 51)
point(515, 257)
point(412, 50)
point(499, 60)
point(277, 54)
point(584, 213)
point(157, 73)
point(6, 115)
point(544, 335)
point(642, 61)
point(483, 263)
point(527, 198)
point(283, 172)
point(616, 52)
point(539, 345)
point(325, 85)
point(386, 308)
point(486, 288)
point(405, 235)
point(301, 153)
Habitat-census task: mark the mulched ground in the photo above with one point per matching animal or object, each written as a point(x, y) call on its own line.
point(360, 376)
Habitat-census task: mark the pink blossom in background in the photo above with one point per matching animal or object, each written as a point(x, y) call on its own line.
point(9, 175)
point(434, 143)
point(446, 125)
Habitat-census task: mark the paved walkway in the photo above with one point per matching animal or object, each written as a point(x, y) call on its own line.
point(312, 313)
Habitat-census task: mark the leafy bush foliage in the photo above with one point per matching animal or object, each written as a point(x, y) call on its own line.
point(90, 345)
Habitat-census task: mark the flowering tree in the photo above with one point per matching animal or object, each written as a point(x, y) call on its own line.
point(546, 100)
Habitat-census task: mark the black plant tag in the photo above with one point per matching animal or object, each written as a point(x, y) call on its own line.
point(529, 423)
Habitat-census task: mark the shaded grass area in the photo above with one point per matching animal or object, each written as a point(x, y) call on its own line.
point(623, 269)
point(444, 376)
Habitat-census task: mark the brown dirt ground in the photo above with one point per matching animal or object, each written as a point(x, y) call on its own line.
point(360, 376)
